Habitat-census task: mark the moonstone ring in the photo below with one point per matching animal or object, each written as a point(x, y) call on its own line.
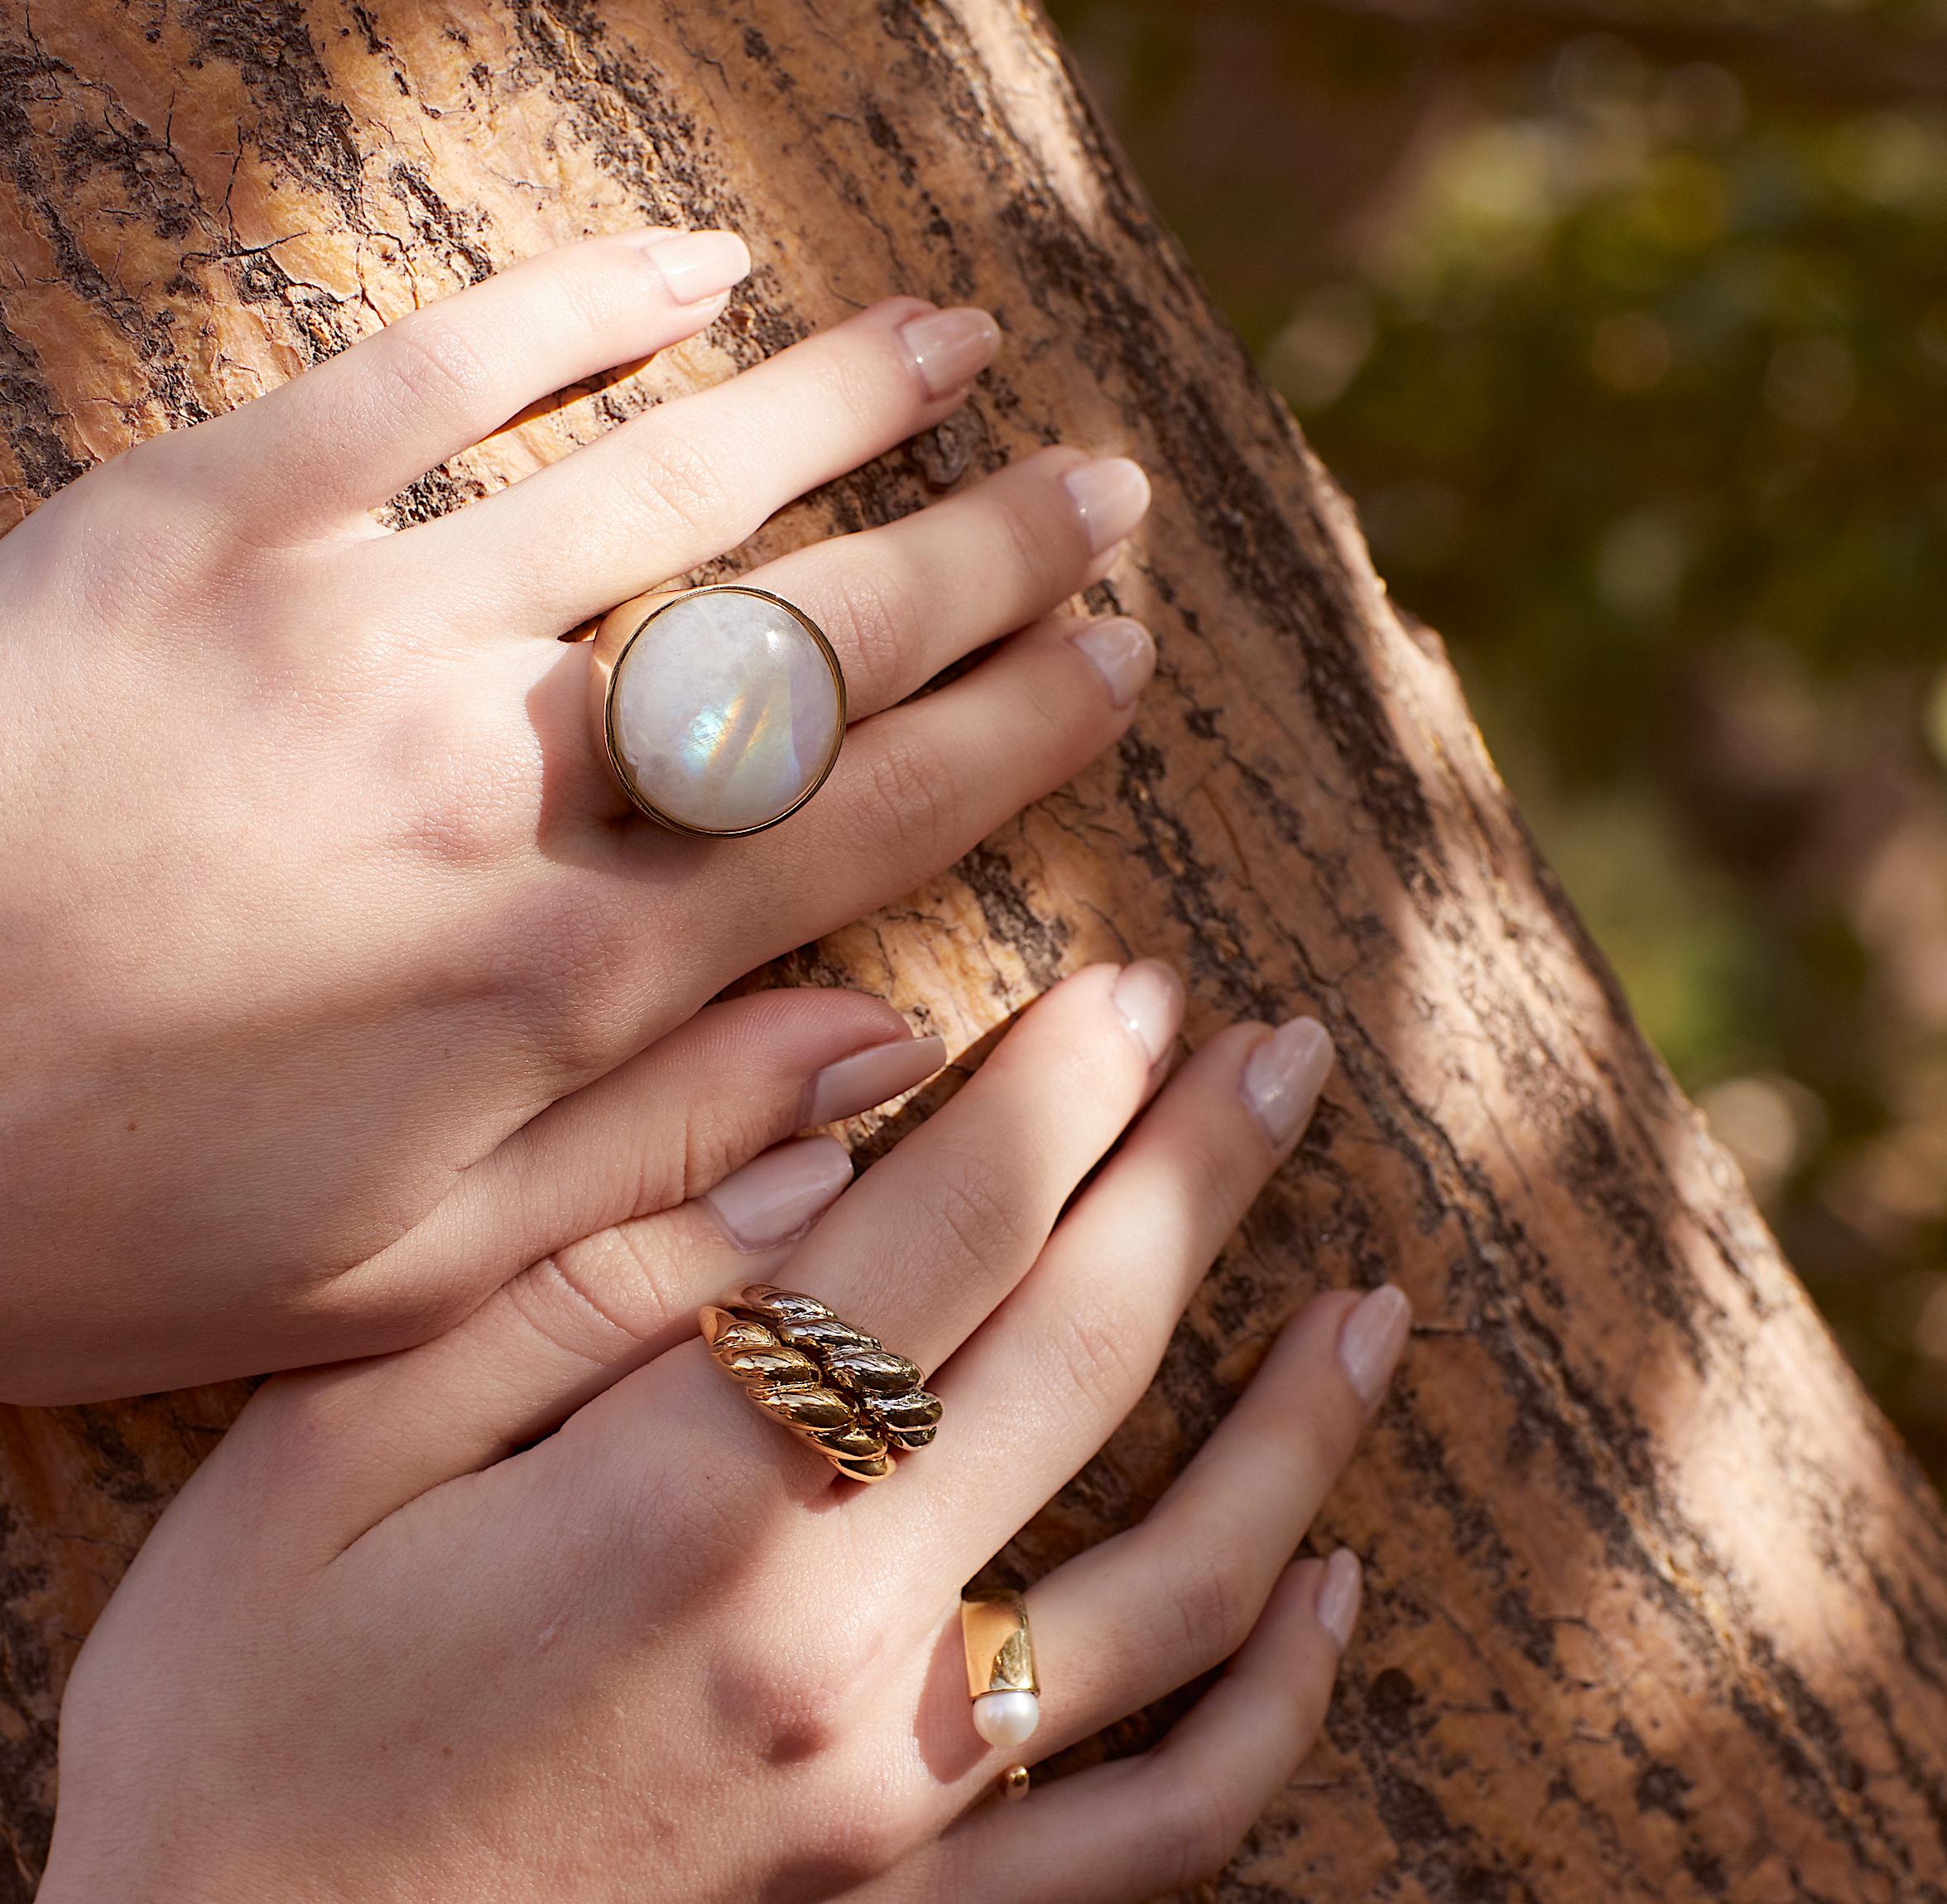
point(721, 710)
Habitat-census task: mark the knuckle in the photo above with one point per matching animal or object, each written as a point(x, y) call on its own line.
point(1200, 1830)
point(870, 618)
point(860, 391)
point(678, 485)
point(787, 1711)
point(1211, 1594)
point(978, 1208)
point(850, 1847)
point(1096, 1355)
point(459, 787)
point(432, 363)
point(560, 973)
point(605, 1285)
point(573, 1015)
point(906, 803)
point(577, 283)
point(166, 497)
point(457, 833)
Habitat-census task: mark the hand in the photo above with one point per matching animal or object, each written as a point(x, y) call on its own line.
point(317, 894)
point(546, 1608)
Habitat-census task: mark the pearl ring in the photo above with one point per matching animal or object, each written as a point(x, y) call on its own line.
point(720, 710)
point(1002, 1680)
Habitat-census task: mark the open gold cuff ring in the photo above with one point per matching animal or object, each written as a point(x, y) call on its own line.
point(720, 710)
point(1001, 1678)
point(841, 1390)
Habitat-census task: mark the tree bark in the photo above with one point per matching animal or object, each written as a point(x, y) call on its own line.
point(1656, 1605)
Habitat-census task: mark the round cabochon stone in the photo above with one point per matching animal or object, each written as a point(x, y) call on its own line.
point(725, 712)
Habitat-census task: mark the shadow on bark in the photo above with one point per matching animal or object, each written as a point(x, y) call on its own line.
point(1655, 1607)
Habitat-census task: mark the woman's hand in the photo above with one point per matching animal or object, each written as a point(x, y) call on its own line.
point(316, 892)
point(546, 1608)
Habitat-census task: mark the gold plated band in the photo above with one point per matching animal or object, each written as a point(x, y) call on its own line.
point(1001, 1678)
point(832, 1385)
point(999, 1644)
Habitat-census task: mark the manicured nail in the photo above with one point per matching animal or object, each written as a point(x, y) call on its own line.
point(1338, 1594)
point(949, 347)
point(1150, 997)
point(773, 1196)
point(1123, 652)
point(1111, 495)
point(1370, 1340)
point(697, 265)
point(1283, 1076)
point(853, 1084)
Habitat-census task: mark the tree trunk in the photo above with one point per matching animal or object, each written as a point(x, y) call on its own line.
point(1656, 1605)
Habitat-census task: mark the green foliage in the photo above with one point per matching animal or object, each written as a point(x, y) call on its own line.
point(1636, 367)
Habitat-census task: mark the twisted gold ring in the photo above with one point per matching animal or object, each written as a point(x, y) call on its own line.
point(841, 1390)
point(720, 710)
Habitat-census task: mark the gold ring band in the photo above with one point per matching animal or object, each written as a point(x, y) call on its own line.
point(842, 1391)
point(720, 710)
point(1002, 1681)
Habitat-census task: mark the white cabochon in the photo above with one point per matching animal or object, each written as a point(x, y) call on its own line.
point(724, 711)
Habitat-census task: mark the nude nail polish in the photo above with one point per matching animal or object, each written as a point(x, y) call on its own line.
point(1150, 997)
point(1111, 495)
point(697, 265)
point(849, 1085)
point(1282, 1077)
point(1124, 654)
point(1341, 1587)
point(1370, 1340)
point(949, 347)
point(775, 1195)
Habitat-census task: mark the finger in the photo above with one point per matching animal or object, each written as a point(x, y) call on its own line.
point(900, 603)
point(1073, 1349)
point(553, 1337)
point(697, 476)
point(1168, 1818)
point(354, 431)
point(946, 1224)
point(1135, 1617)
point(737, 1077)
point(915, 788)
point(937, 1231)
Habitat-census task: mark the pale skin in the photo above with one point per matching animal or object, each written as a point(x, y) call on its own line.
point(545, 1607)
point(335, 972)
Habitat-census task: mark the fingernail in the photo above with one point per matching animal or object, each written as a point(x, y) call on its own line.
point(853, 1084)
point(1111, 495)
point(1283, 1076)
point(773, 1196)
point(1370, 1340)
point(1123, 652)
point(697, 265)
point(1150, 997)
point(1340, 1591)
point(948, 347)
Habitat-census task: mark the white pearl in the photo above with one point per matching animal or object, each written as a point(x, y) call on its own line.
point(725, 712)
point(1006, 1718)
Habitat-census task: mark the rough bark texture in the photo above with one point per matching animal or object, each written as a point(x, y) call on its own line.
point(1657, 1606)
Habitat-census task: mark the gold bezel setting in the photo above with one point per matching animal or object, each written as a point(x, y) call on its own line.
point(624, 626)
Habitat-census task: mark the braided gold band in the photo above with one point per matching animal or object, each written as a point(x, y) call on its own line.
point(841, 1390)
